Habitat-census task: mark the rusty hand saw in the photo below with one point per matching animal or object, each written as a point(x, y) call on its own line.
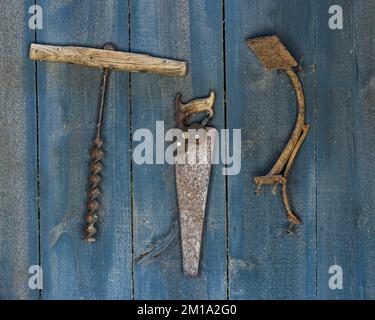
point(193, 168)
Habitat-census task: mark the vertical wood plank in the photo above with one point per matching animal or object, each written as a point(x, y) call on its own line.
point(68, 100)
point(192, 31)
point(346, 117)
point(266, 263)
point(18, 153)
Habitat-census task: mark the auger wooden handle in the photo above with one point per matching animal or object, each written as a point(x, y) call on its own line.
point(116, 60)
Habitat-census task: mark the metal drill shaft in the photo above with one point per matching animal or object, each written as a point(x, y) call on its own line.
point(96, 166)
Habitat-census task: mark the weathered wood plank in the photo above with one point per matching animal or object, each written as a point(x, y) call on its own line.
point(18, 154)
point(191, 31)
point(345, 151)
point(68, 99)
point(266, 263)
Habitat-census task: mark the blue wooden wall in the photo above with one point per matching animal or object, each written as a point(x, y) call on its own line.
point(48, 112)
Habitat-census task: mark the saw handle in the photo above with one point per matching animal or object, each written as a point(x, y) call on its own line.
point(185, 111)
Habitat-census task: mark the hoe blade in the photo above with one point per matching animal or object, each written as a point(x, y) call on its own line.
point(272, 53)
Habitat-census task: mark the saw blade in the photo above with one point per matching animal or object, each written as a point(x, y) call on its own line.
point(192, 180)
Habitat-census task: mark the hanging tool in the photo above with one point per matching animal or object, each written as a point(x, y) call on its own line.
point(193, 168)
point(273, 55)
point(108, 60)
point(96, 166)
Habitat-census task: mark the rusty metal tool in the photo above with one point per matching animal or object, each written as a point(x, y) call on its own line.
point(193, 168)
point(96, 165)
point(106, 59)
point(273, 55)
